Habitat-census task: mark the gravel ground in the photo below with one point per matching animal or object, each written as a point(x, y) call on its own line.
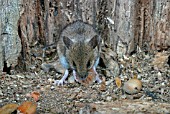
point(152, 69)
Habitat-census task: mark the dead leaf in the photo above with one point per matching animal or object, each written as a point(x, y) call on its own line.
point(53, 65)
point(160, 59)
point(8, 109)
point(90, 78)
point(118, 82)
point(103, 84)
point(135, 76)
point(112, 66)
point(28, 107)
point(35, 96)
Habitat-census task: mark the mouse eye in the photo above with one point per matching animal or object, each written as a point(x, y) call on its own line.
point(88, 64)
point(74, 64)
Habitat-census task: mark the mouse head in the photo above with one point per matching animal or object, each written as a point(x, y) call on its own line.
point(82, 55)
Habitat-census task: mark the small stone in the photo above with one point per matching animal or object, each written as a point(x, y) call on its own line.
point(25, 86)
point(116, 109)
point(50, 80)
point(1, 93)
point(52, 87)
point(108, 98)
point(29, 76)
point(38, 86)
point(17, 95)
point(19, 76)
point(81, 99)
point(14, 77)
point(160, 76)
point(17, 98)
point(123, 96)
point(15, 85)
point(32, 67)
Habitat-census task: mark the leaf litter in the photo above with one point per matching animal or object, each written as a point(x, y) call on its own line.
point(152, 69)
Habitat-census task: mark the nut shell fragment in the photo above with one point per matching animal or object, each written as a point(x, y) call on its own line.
point(132, 86)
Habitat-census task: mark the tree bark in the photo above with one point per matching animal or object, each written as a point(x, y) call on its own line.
point(10, 43)
point(124, 25)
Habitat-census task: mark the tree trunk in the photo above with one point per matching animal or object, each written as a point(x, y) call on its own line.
point(10, 43)
point(124, 25)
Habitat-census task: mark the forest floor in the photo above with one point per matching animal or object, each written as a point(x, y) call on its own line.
point(106, 98)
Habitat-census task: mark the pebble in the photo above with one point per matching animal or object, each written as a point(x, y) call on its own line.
point(1, 93)
point(13, 76)
point(116, 109)
point(19, 76)
point(52, 87)
point(109, 82)
point(50, 80)
point(108, 98)
point(38, 87)
point(17, 95)
point(160, 76)
point(29, 77)
point(15, 85)
point(25, 86)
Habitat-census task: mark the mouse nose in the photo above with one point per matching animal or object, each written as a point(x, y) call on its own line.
point(83, 75)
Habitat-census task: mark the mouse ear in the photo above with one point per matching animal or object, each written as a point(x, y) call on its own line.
point(67, 42)
point(94, 41)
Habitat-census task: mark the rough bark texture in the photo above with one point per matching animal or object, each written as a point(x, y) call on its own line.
point(29, 32)
point(124, 25)
point(153, 24)
point(10, 44)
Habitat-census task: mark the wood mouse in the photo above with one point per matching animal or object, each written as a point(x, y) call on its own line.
point(79, 50)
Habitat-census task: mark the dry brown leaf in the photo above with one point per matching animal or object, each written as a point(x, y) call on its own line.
point(28, 107)
point(56, 65)
point(135, 76)
point(118, 82)
point(160, 60)
point(112, 66)
point(90, 78)
point(8, 109)
point(103, 84)
point(35, 95)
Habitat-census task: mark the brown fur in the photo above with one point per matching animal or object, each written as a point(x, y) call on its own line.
point(80, 45)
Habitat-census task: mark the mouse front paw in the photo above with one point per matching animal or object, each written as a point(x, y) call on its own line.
point(62, 81)
point(98, 80)
point(75, 77)
point(59, 82)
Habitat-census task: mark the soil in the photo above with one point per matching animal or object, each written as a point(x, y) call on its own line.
point(152, 69)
